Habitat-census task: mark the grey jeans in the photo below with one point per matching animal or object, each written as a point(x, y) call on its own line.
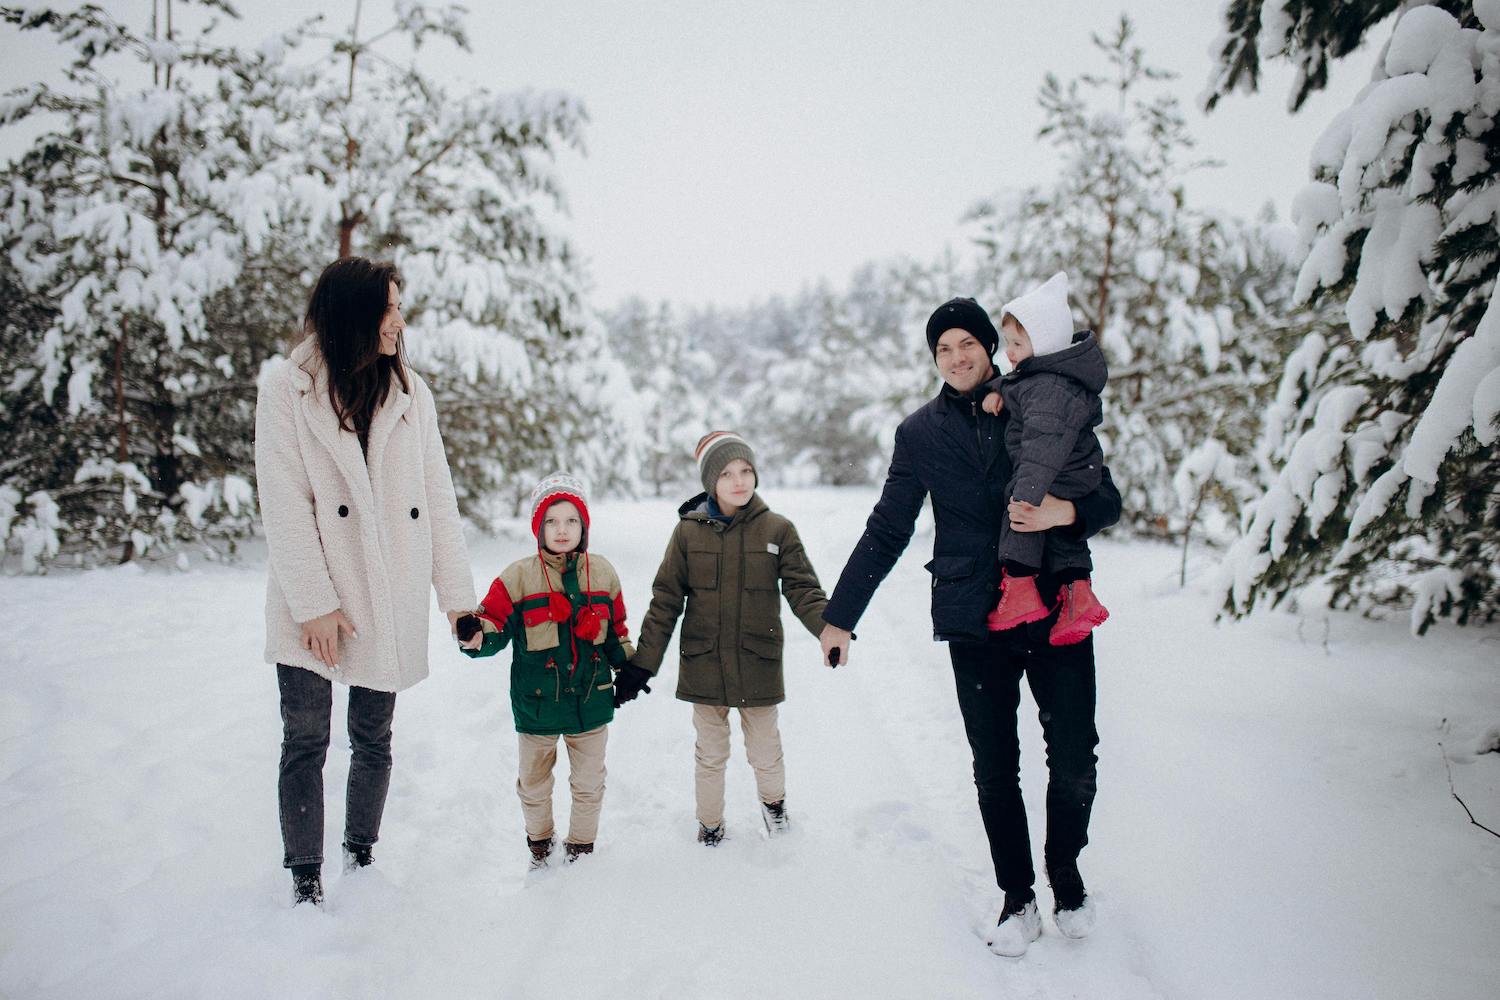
point(306, 713)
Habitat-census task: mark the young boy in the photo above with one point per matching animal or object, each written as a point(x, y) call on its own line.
point(561, 612)
point(1052, 396)
point(726, 557)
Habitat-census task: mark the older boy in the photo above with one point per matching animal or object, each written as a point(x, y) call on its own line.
point(726, 558)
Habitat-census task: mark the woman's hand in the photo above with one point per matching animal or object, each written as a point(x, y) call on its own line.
point(453, 617)
point(1053, 513)
point(321, 635)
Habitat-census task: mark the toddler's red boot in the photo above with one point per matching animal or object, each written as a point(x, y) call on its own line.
point(1081, 613)
point(1019, 603)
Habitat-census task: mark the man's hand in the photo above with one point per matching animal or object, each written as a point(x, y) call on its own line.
point(992, 404)
point(1053, 513)
point(833, 638)
point(321, 635)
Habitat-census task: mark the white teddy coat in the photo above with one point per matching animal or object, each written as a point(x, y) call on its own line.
point(369, 540)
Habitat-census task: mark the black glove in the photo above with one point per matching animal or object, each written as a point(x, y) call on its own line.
point(468, 627)
point(630, 682)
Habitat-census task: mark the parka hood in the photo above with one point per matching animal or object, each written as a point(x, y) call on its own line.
point(1083, 361)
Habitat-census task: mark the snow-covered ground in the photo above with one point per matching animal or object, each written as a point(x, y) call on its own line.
point(1274, 818)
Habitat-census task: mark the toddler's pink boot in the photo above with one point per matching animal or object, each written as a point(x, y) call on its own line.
point(1019, 603)
point(1081, 613)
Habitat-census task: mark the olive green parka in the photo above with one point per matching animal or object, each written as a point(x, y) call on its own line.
point(732, 577)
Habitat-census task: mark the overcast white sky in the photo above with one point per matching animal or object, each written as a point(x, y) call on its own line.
point(738, 150)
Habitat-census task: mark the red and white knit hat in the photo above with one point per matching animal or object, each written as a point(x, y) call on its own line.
point(717, 449)
point(558, 486)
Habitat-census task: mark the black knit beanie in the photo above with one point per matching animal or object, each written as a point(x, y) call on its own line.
point(962, 314)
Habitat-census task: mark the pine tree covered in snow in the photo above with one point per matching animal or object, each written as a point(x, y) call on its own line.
point(173, 231)
point(673, 380)
point(1172, 293)
point(803, 417)
point(1248, 327)
point(1389, 479)
point(451, 184)
point(126, 221)
point(816, 381)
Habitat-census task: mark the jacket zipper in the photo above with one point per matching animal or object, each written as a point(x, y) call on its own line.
point(978, 434)
point(739, 613)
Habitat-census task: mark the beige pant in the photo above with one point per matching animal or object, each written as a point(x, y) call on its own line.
point(762, 748)
point(585, 778)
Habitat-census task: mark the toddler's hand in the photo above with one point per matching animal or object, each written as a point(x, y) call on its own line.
point(470, 633)
point(992, 404)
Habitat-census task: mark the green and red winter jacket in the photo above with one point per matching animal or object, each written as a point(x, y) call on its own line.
point(564, 620)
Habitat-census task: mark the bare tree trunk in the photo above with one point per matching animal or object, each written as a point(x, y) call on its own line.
point(169, 38)
point(155, 67)
point(123, 454)
point(1187, 531)
point(351, 218)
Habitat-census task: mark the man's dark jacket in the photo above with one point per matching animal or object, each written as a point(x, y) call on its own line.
point(953, 450)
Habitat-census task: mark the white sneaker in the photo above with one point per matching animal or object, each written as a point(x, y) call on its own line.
point(1016, 931)
point(1075, 923)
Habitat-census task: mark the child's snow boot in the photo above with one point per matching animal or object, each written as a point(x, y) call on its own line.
point(710, 837)
point(307, 887)
point(576, 851)
point(1019, 603)
point(1019, 925)
point(1072, 909)
point(358, 856)
point(1081, 613)
point(774, 813)
point(541, 850)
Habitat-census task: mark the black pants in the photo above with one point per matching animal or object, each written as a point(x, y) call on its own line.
point(306, 710)
point(988, 677)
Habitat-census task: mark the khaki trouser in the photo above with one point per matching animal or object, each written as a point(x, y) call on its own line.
point(585, 778)
point(762, 748)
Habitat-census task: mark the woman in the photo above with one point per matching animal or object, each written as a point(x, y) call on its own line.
point(360, 519)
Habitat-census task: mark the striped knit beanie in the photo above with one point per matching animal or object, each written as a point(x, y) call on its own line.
point(717, 449)
point(558, 486)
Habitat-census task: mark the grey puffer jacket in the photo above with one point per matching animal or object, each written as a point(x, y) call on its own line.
point(1052, 403)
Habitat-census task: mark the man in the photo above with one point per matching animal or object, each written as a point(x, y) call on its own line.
point(953, 451)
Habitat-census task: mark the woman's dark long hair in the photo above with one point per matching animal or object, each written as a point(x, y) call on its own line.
point(344, 314)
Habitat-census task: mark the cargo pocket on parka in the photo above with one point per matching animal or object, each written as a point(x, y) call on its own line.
point(760, 666)
point(953, 586)
point(698, 673)
point(762, 598)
